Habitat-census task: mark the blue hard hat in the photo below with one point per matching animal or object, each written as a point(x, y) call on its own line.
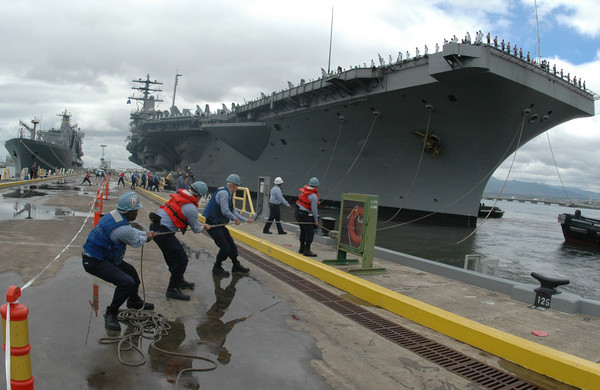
point(129, 201)
point(235, 179)
point(199, 188)
point(313, 182)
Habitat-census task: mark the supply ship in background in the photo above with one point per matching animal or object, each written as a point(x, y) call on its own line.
point(52, 149)
point(425, 134)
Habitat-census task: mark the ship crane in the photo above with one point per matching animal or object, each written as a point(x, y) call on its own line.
point(32, 131)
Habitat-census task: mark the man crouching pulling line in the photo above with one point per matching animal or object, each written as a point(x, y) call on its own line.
point(103, 254)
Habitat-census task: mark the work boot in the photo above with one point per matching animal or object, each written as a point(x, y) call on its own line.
point(308, 253)
point(301, 250)
point(135, 302)
point(175, 293)
point(185, 285)
point(266, 232)
point(218, 270)
point(111, 322)
point(238, 268)
point(281, 232)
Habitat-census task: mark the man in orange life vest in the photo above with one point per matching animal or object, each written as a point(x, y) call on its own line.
point(307, 203)
point(178, 213)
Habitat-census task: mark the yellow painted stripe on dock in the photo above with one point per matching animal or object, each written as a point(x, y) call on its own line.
point(4, 184)
point(555, 364)
point(561, 366)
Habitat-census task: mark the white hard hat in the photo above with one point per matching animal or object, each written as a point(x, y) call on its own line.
point(278, 180)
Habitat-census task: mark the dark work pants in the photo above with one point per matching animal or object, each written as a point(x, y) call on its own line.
point(274, 215)
point(173, 252)
point(222, 238)
point(124, 276)
point(121, 180)
point(307, 226)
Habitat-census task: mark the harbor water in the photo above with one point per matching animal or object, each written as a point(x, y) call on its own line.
point(528, 238)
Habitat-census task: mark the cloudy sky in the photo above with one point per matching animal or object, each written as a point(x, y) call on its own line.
point(81, 55)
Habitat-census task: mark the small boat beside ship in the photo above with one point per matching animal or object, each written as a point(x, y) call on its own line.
point(493, 212)
point(579, 229)
point(52, 149)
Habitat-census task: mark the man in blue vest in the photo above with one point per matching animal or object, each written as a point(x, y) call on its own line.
point(178, 213)
point(103, 254)
point(220, 211)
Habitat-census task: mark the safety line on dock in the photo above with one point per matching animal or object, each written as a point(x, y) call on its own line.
point(476, 371)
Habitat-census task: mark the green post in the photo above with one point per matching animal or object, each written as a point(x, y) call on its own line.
point(358, 227)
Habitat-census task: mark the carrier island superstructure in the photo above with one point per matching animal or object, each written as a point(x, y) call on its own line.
point(425, 134)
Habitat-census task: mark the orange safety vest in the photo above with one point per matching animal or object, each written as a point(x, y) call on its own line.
point(304, 193)
point(173, 207)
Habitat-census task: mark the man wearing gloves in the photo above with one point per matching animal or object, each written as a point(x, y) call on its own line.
point(220, 211)
point(103, 254)
point(307, 214)
point(178, 213)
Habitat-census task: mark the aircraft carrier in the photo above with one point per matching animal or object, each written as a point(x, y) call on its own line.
point(424, 133)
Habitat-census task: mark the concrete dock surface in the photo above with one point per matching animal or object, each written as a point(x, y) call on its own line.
point(259, 332)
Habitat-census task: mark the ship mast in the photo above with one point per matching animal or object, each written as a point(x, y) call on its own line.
point(32, 131)
point(146, 88)
point(177, 75)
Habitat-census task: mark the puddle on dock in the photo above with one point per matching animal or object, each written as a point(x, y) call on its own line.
point(26, 202)
point(29, 210)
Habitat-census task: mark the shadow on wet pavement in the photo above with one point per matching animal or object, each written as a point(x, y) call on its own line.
point(64, 332)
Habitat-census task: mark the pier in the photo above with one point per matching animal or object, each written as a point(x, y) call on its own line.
point(292, 322)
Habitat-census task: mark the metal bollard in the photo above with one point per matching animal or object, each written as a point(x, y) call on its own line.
point(543, 294)
point(20, 359)
point(327, 225)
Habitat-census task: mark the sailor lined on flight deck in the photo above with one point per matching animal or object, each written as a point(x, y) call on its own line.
point(307, 214)
point(219, 211)
point(275, 200)
point(103, 254)
point(178, 213)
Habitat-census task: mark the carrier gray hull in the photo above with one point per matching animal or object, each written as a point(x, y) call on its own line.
point(362, 131)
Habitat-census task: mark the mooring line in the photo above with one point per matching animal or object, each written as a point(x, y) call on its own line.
point(30, 282)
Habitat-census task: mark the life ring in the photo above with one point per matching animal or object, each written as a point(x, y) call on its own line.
point(356, 213)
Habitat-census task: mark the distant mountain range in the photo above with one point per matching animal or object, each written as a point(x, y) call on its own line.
point(523, 189)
